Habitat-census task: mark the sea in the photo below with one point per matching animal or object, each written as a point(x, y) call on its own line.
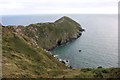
point(98, 44)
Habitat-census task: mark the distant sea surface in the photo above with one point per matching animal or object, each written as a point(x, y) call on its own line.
point(98, 44)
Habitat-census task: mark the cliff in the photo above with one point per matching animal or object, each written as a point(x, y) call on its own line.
point(25, 47)
point(49, 35)
point(20, 59)
point(25, 50)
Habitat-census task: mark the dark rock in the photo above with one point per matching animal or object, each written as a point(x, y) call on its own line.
point(67, 61)
point(99, 67)
point(80, 50)
point(71, 67)
point(59, 42)
point(83, 30)
point(63, 61)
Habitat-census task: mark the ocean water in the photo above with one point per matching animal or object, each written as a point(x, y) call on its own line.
point(98, 44)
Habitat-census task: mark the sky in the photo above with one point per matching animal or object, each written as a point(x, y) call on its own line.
point(19, 7)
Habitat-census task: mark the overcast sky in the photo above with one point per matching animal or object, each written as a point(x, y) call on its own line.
point(14, 7)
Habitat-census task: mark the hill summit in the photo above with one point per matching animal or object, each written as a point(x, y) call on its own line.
point(67, 19)
point(49, 35)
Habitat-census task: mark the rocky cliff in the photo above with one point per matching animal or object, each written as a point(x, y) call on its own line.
point(25, 48)
point(49, 35)
point(25, 51)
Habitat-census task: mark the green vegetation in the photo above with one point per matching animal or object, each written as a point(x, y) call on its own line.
point(100, 72)
point(49, 35)
point(25, 51)
point(20, 59)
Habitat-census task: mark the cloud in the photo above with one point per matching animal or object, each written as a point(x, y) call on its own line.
point(57, 6)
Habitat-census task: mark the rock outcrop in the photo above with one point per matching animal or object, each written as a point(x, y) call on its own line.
point(25, 48)
point(25, 52)
point(49, 35)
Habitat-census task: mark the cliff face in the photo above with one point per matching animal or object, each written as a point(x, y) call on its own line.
point(20, 59)
point(50, 35)
point(23, 54)
point(24, 48)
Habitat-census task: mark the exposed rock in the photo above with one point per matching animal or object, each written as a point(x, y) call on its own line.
point(50, 35)
point(32, 43)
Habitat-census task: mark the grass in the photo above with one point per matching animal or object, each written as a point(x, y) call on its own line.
point(25, 58)
point(21, 58)
point(49, 33)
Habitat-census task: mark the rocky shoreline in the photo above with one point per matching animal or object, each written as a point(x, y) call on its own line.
point(49, 35)
point(66, 62)
point(60, 42)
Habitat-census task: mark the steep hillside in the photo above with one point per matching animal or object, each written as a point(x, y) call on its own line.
point(25, 51)
point(49, 35)
point(25, 47)
point(20, 59)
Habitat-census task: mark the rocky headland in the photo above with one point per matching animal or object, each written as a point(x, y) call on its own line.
point(25, 50)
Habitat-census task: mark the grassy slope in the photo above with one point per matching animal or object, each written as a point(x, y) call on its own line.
point(49, 34)
point(21, 59)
